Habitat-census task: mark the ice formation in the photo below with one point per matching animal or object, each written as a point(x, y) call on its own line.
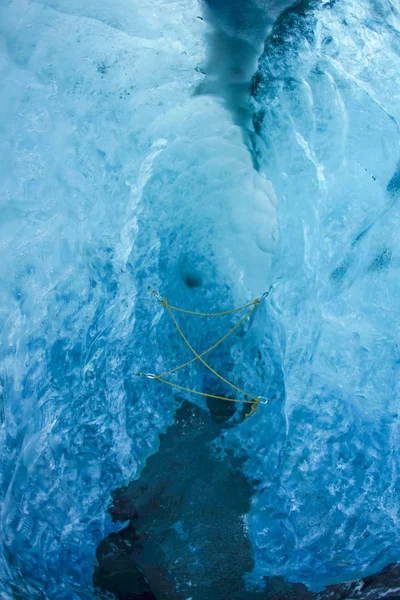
point(327, 118)
point(122, 165)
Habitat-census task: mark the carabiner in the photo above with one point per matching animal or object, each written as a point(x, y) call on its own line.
point(266, 400)
point(148, 375)
point(155, 293)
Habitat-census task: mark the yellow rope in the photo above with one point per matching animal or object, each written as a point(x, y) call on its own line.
point(185, 389)
point(238, 389)
point(219, 314)
point(189, 362)
point(255, 399)
point(254, 403)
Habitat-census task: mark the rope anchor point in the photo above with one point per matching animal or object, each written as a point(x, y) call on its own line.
point(148, 375)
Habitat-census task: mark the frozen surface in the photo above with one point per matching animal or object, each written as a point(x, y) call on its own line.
point(113, 175)
point(327, 105)
point(116, 173)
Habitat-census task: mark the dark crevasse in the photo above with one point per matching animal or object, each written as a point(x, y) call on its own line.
point(129, 160)
point(234, 44)
point(184, 534)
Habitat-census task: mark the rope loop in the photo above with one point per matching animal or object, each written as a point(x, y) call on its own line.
point(255, 400)
point(254, 407)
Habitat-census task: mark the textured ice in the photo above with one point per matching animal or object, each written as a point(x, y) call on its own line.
point(327, 110)
point(116, 173)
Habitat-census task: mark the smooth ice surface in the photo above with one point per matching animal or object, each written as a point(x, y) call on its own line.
point(117, 173)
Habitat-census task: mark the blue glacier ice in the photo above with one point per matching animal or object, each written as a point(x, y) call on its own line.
point(327, 115)
point(127, 161)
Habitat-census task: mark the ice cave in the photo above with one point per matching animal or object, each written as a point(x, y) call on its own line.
point(224, 154)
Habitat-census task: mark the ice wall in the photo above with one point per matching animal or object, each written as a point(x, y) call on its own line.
point(327, 109)
point(117, 173)
point(114, 175)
